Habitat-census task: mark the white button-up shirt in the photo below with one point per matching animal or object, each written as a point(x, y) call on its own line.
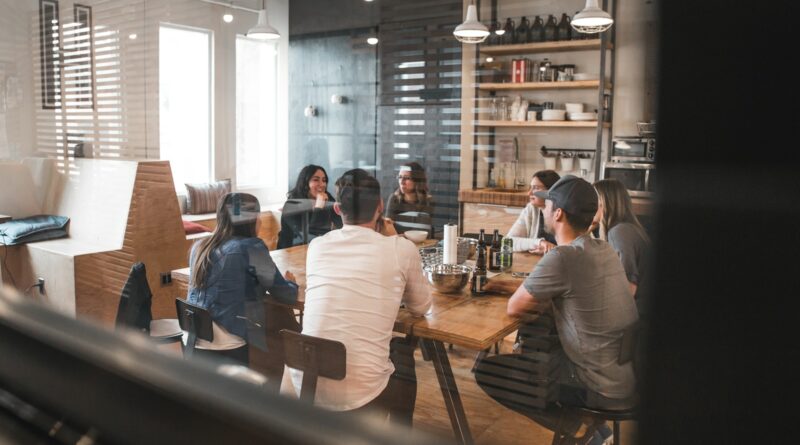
point(356, 279)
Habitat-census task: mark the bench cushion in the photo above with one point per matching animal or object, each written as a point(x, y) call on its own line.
point(33, 228)
point(203, 197)
point(192, 227)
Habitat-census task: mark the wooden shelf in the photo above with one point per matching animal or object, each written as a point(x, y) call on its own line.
point(573, 84)
point(564, 124)
point(542, 47)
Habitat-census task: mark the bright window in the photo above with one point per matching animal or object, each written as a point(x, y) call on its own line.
point(256, 113)
point(184, 81)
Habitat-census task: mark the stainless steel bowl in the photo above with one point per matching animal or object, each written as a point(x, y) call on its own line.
point(448, 278)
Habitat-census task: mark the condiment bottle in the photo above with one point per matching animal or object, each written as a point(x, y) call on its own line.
point(479, 278)
point(494, 252)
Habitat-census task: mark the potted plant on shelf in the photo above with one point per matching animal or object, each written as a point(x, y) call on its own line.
point(567, 160)
point(585, 160)
point(549, 158)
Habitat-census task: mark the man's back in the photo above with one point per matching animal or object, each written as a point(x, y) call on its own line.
point(355, 281)
point(592, 306)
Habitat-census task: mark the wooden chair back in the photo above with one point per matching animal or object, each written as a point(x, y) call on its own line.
point(196, 321)
point(316, 357)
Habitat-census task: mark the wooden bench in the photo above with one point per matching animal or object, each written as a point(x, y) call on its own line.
point(120, 212)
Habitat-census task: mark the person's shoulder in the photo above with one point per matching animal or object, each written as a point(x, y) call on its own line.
point(623, 231)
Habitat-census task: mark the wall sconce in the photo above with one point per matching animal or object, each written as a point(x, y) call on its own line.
point(337, 99)
point(310, 111)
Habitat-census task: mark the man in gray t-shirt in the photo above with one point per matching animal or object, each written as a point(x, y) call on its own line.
point(583, 281)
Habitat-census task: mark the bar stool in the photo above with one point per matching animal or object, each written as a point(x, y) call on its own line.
point(316, 357)
point(629, 352)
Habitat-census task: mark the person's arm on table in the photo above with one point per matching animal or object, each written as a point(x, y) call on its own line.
point(269, 276)
point(417, 293)
point(542, 285)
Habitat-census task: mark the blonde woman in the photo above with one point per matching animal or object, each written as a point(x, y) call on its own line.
point(619, 226)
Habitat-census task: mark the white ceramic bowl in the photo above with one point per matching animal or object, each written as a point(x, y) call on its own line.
point(553, 115)
point(585, 76)
point(585, 116)
point(416, 236)
point(574, 108)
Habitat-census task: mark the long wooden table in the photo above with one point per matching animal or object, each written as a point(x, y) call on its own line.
point(462, 319)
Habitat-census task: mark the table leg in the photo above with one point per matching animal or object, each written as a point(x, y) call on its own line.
point(447, 382)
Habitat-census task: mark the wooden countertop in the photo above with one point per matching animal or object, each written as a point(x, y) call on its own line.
point(508, 197)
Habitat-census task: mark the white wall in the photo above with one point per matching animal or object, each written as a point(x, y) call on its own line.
point(31, 130)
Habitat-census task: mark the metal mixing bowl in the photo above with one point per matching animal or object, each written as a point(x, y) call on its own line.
point(448, 278)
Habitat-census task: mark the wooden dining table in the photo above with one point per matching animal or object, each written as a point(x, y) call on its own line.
point(474, 322)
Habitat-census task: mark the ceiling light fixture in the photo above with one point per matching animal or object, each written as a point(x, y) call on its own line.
point(227, 17)
point(372, 40)
point(471, 31)
point(592, 19)
point(263, 30)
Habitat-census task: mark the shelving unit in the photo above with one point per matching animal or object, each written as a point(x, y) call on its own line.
point(604, 45)
point(573, 84)
point(556, 124)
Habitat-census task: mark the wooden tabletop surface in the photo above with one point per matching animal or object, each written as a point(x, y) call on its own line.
point(463, 319)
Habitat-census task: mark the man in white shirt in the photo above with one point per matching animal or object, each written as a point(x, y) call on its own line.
point(356, 279)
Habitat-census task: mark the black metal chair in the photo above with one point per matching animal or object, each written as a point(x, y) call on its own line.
point(316, 357)
point(196, 321)
point(630, 352)
point(134, 309)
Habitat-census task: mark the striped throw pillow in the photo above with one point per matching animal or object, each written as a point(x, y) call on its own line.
point(203, 197)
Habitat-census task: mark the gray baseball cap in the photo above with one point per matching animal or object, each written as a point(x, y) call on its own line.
point(572, 194)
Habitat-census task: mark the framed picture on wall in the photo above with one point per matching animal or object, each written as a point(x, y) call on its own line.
point(84, 59)
point(50, 48)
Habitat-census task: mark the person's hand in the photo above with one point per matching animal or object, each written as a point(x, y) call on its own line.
point(290, 277)
point(542, 248)
point(322, 198)
point(387, 227)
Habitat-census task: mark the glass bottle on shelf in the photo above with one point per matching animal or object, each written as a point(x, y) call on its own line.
point(550, 29)
point(564, 28)
point(508, 36)
point(537, 30)
point(502, 109)
point(523, 31)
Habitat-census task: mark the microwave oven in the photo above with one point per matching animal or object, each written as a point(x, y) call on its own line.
point(633, 149)
point(639, 178)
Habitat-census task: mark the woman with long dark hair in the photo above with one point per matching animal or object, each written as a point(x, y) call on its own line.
point(622, 229)
point(229, 274)
point(410, 205)
point(310, 199)
point(528, 232)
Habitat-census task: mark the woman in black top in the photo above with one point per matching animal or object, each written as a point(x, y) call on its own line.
point(411, 196)
point(308, 197)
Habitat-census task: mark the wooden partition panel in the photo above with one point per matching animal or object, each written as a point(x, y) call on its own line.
point(154, 235)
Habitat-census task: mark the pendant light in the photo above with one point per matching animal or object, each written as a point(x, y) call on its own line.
point(592, 19)
point(263, 30)
point(471, 31)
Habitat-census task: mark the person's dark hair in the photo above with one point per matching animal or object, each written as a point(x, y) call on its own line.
point(301, 189)
point(548, 177)
point(358, 195)
point(237, 214)
point(617, 207)
point(420, 183)
point(579, 223)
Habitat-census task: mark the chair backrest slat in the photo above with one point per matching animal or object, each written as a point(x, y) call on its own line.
point(315, 357)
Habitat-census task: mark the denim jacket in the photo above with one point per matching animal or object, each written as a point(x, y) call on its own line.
point(241, 273)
